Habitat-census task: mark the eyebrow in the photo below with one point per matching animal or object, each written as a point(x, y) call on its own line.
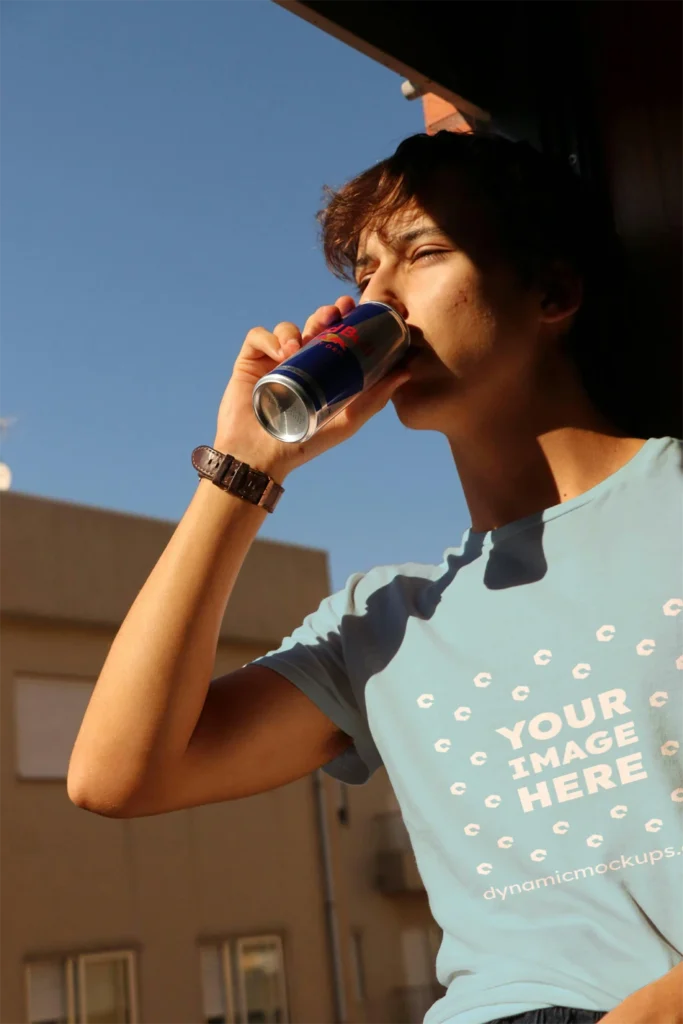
point(398, 240)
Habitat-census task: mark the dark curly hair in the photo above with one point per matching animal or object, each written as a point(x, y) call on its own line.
point(541, 211)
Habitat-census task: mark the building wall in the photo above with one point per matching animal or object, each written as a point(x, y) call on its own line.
point(73, 882)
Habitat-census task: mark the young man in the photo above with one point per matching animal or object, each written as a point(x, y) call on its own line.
point(525, 694)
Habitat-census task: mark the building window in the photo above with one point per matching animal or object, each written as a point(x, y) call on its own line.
point(48, 714)
point(93, 988)
point(357, 965)
point(243, 981)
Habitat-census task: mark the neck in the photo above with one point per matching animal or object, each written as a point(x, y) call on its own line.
point(542, 449)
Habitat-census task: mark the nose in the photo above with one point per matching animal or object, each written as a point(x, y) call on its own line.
point(387, 295)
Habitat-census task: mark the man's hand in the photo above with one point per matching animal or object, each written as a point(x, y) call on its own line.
point(238, 431)
point(660, 1002)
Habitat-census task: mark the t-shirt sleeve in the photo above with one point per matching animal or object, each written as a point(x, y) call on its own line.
point(314, 659)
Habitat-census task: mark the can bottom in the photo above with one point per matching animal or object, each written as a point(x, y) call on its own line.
point(283, 412)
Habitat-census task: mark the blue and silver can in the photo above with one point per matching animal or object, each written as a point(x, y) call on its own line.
point(329, 371)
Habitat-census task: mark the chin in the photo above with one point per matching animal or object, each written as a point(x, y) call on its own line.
point(424, 405)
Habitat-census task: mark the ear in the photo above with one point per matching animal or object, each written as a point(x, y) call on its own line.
point(561, 293)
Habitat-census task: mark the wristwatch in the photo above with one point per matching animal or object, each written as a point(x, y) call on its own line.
point(237, 478)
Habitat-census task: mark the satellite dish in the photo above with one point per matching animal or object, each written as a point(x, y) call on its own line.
point(5, 477)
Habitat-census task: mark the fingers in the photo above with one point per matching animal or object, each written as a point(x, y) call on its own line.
point(259, 342)
point(286, 338)
point(345, 304)
point(289, 338)
point(325, 316)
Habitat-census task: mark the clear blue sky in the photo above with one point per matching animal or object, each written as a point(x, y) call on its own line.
point(161, 167)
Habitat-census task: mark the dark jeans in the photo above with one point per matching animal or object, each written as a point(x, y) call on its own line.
point(553, 1015)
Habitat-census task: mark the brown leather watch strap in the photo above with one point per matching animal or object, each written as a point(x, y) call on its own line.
point(237, 478)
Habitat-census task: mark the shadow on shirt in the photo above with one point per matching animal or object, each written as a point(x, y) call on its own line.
point(514, 560)
point(341, 661)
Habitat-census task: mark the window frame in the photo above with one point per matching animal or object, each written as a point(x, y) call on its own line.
point(234, 987)
point(72, 968)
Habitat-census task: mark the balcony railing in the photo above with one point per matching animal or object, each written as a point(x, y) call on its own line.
point(395, 867)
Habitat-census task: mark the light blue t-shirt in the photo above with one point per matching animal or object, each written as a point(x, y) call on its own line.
point(526, 699)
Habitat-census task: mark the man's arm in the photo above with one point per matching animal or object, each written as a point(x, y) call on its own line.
point(242, 745)
point(154, 682)
point(158, 735)
point(140, 724)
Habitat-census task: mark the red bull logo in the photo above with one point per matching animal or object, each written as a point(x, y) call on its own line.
point(344, 329)
point(337, 339)
point(333, 343)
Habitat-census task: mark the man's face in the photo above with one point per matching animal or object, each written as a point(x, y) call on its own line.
point(475, 328)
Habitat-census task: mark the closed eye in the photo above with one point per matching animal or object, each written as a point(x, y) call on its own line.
point(423, 254)
point(429, 252)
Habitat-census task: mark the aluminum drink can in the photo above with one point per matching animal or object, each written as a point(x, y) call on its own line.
point(328, 372)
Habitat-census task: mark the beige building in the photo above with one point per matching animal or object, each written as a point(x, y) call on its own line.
point(302, 904)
